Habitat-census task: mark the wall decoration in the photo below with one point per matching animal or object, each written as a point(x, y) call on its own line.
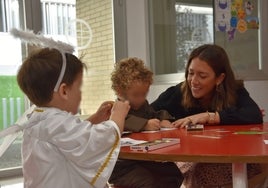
point(223, 15)
point(235, 15)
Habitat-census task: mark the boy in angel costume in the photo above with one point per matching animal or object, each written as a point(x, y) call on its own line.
point(58, 149)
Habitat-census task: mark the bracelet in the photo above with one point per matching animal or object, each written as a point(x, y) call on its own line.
point(211, 117)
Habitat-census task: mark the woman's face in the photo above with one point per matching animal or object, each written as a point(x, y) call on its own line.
point(202, 79)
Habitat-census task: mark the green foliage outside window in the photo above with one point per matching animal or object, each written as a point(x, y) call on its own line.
point(10, 93)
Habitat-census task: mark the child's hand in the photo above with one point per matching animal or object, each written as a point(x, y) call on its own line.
point(121, 108)
point(103, 113)
point(119, 112)
point(152, 125)
point(166, 124)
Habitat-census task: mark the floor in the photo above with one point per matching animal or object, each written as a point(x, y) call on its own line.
point(17, 183)
point(12, 183)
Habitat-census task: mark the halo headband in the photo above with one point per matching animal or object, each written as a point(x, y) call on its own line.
point(61, 72)
point(39, 40)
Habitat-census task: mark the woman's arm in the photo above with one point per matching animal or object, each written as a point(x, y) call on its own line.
point(246, 111)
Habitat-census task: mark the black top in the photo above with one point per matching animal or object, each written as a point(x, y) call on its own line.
point(246, 111)
point(136, 120)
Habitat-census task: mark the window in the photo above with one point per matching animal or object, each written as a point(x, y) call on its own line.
point(194, 26)
point(176, 27)
point(12, 100)
point(11, 14)
point(63, 11)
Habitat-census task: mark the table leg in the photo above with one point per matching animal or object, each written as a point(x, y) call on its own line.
point(240, 179)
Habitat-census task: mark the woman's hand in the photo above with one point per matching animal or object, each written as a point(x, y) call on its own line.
point(201, 118)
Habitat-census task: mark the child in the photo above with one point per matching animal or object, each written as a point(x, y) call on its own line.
point(59, 149)
point(131, 81)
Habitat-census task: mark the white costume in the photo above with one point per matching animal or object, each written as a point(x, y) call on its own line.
point(59, 150)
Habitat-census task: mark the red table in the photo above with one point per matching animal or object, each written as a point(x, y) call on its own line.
point(215, 144)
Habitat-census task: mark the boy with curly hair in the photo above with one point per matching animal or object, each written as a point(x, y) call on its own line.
point(131, 81)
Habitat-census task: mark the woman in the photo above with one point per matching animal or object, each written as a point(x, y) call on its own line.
point(209, 95)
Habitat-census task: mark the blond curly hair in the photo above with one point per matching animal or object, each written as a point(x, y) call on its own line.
point(130, 70)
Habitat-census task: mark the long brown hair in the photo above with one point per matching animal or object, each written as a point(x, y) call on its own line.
point(225, 93)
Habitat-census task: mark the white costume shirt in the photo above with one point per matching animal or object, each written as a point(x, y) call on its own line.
point(61, 151)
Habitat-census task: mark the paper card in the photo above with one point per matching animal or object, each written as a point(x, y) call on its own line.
point(155, 144)
point(197, 127)
point(162, 129)
point(150, 131)
point(168, 128)
point(129, 142)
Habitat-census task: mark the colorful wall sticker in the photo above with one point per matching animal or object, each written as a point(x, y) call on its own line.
point(235, 15)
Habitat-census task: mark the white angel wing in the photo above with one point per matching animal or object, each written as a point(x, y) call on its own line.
point(39, 40)
point(10, 134)
point(9, 138)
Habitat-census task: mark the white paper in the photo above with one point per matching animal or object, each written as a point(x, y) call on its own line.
point(162, 129)
point(168, 128)
point(129, 141)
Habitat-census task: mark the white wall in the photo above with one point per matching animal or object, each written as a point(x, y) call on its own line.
point(259, 92)
point(138, 46)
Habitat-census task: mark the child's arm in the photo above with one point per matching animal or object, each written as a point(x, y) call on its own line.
point(102, 114)
point(119, 113)
point(115, 111)
point(152, 125)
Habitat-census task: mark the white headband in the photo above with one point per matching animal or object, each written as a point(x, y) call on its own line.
point(40, 40)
